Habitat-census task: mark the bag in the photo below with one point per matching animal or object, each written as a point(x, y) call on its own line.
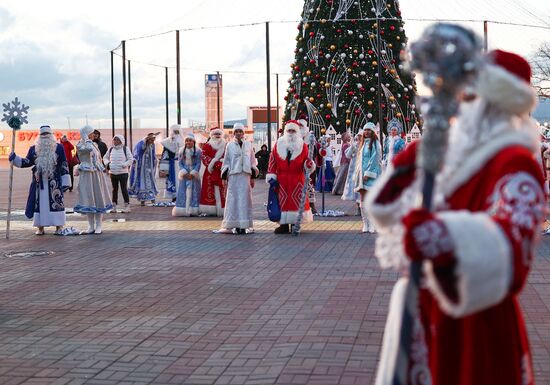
point(164, 168)
point(273, 206)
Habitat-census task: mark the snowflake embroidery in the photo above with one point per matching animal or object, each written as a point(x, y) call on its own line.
point(432, 238)
point(519, 198)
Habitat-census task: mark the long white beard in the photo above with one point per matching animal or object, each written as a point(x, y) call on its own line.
point(290, 142)
point(46, 157)
point(217, 144)
point(478, 123)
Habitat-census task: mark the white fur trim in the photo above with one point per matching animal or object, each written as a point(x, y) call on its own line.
point(484, 263)
point(211, 165)
point(502, 88)
point(371, 174)
point(391, 213)
point(291, 217)
point(208, 210)
point(184, 211)
point(270, 176)
point(479, 158)
point(224, 168)
point(17, 161)
point(392, 331)
point(195, 173)
point(66, 180)
point(182, 174)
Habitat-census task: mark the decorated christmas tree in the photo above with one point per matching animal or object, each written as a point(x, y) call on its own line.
point(343, 47)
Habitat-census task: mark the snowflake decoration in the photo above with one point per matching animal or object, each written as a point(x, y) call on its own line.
point(15, 113)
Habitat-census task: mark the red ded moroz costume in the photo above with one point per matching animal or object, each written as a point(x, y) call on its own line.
point(287, 164)
point(212, 199)
point(478, 245)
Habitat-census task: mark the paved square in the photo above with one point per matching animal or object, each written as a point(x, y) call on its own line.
point(162, 300)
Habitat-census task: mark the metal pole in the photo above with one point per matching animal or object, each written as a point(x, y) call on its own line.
point(112, 95)
point(278, 118)
point(166, 98)
point(268, 77)
point(10, 189)
point(178, 107)
point(485, 36)
point(124, 87)
point(380, 116)
point(130, 103)
point(218, 95)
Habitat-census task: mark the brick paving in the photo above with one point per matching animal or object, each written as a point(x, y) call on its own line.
point(162, 300)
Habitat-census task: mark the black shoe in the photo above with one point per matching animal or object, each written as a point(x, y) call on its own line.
point(313, 209)
point(241, 231)
point(282, 229)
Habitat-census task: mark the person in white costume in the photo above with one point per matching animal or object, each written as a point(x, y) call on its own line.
point(238, 173)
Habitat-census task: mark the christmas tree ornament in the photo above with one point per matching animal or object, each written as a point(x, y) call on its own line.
point(336, 54)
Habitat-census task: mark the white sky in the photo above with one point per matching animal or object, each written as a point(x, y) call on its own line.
point(55, 54)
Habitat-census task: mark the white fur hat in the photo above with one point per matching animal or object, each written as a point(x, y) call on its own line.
point(85, 131)
point(45, 130)
point(238, 126)
point(369, 126)
point(292, 125)
point(505, 82)
point(215, 130)
point(191, 136)
point(175, 128)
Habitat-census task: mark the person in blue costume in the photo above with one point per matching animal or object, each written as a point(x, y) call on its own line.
point(171, 148)
point(189, 188)
point(367, 170)
point(142, 177)
point(50, 178)
point(394, 143)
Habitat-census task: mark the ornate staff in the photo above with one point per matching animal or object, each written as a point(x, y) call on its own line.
point(15, 114)
point(298, 225)
point(448, 56)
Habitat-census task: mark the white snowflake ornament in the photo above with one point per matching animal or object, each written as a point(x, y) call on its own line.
point(15, 114)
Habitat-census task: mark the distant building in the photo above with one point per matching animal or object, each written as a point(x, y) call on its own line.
point(257, 121)
point(213, 87)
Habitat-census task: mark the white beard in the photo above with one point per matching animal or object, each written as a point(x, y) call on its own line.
point(290, 142)
point(46, 157)
point(217, 144)
point(477, 124)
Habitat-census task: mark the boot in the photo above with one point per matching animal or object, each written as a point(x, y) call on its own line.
point(282, 229)
point(313, 209)
point(371, 227)
point(91, 225)
point(98, 219)
point(365, 220)
point(364, 216)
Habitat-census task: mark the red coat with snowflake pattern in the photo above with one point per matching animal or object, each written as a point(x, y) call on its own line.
point(472, 330)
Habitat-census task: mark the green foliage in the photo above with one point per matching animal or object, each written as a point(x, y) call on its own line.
point(335, 72)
